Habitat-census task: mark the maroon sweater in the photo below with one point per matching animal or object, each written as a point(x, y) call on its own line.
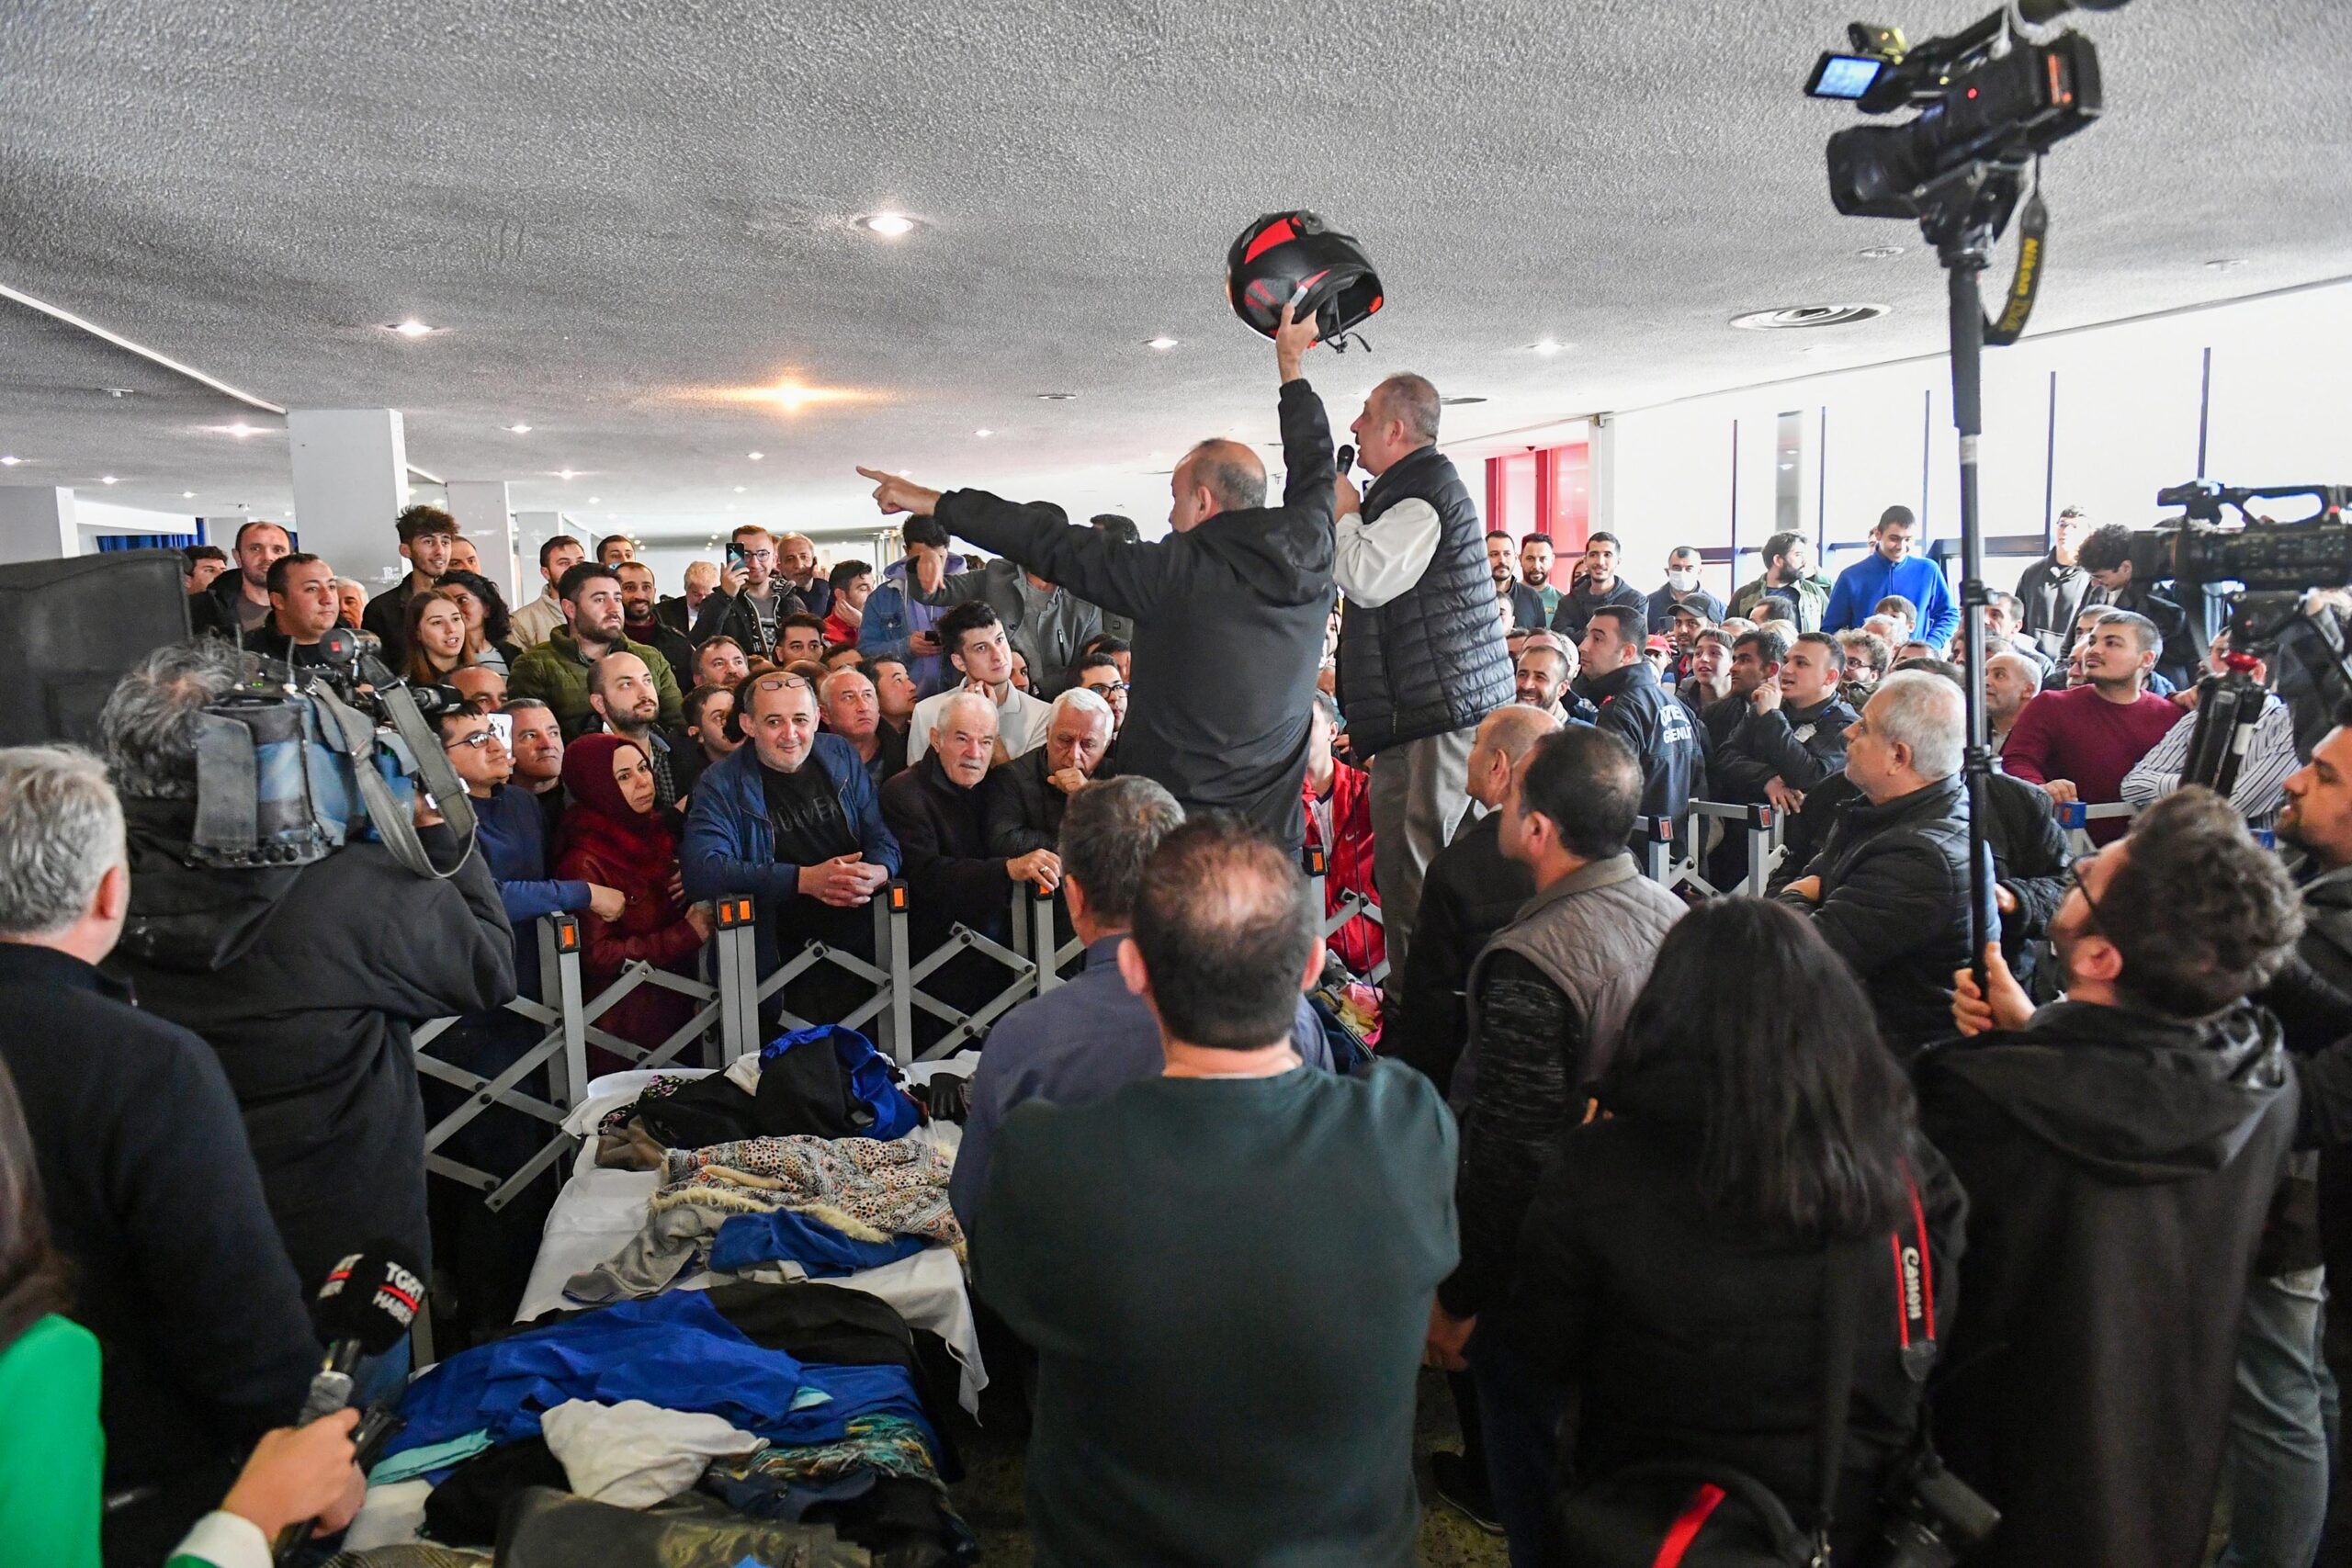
point(2079, 735)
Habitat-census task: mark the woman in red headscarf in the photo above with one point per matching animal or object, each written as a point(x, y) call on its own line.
point(611, 835)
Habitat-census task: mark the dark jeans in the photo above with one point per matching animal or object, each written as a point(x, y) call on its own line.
point(1519, 1412)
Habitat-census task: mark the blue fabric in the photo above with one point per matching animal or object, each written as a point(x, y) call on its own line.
point(1871, 579)
point(1082, 1042)
point(673, 1351)
point(730, 845)
point(873, 1082)
point(891, 621)
point(748, 1240)
point(513, 836)
point(106, 542)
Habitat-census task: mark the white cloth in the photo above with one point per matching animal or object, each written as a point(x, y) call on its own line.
point(226, 1541)
point(538, 620)
point(2269, 758)
point(1373, 562)
point(634, 1454)
point(1019, 723)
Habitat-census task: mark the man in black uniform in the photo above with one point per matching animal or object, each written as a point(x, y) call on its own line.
point(1640, 711)
point(1230, 610)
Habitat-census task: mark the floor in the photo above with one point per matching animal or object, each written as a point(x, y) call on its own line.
point(989, 1495)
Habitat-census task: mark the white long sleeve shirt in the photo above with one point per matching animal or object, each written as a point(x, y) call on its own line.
point(2269, 758)
point(1373, 562)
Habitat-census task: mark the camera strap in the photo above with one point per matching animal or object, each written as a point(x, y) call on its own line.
point(2034, 231)
point(390, 819)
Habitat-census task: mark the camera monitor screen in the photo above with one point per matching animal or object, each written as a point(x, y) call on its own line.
point(70, 629)
point(1844, 75)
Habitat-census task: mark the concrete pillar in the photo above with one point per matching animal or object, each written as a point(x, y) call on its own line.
point(36, 523)
point(484, 516)
point(1604, 479)
point(350, 483)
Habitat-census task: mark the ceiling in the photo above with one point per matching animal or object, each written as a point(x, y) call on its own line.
point(608, 206)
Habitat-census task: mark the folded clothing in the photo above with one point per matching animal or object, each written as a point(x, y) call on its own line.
point(749, 1241)
point(675, 1351)
point(633, 1454)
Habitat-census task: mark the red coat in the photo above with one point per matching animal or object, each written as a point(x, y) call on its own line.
point(652, 927)
point(1348, 864)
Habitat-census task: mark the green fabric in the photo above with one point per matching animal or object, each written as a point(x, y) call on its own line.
point(554, 673)
point(51, 1449)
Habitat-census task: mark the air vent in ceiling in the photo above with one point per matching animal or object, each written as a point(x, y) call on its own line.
point(1790, 318)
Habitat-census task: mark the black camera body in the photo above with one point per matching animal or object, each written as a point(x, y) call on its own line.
point(2267, 557)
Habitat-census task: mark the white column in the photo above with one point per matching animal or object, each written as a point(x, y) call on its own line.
point(350, 483)
point(482, 512)
point(1602, 452)
point(36, 523)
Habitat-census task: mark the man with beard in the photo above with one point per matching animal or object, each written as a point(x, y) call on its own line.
point(641, 624)
point(622, 693)
point(1527, 612)
point(556, 671)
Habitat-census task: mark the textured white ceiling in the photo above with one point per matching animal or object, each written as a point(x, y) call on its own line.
point(606, 202)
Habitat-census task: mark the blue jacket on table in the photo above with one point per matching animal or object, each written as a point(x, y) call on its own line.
point(1871, 579)
point(730, 845)
point(513, 836)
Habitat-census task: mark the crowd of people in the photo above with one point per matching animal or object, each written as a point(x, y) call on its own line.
point(1677, 1181)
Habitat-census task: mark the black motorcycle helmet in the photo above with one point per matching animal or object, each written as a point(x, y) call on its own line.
point(1284, 253)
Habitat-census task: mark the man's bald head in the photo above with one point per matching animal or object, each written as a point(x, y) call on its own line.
point(1229, 471)
point(1514, 729)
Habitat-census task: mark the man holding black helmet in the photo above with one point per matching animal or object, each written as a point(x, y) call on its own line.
point(1230, 610)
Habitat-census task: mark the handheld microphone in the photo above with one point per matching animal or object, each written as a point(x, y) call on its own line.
point(363, 1309)
point(1347, 460)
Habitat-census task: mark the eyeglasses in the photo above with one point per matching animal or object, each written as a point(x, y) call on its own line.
point(477, 739)
point(1107, 686)
point(2075, 882)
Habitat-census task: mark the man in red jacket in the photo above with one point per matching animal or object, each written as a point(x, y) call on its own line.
point(1339, 822)
point(2078, 744)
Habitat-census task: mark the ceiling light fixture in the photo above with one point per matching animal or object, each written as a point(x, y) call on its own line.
point(1547, 347)
point(738, 489)
point(106, 478)
point(755, 456)
point(518, 430)
point(1056, 397)
point(10, 462)
point(887, 225)
point(240, 431)
point(187, 495)
point(116, 392)
point(1791, 318)
point(596, 500)
point(1163, 343)
point(1879, 253)
point(564, 473)
point(412, 327)
point(984, 433)
point(787, 394)
point(2226, 264)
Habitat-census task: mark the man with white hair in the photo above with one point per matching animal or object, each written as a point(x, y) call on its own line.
point(1025, 797)
point(2011, 681)
point(204, 1340)
point(1889, 890)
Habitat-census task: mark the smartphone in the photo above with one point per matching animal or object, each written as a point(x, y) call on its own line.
point(503, 725)
point(735, 554)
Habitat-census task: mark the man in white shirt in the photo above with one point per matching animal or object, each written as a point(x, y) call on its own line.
point(538, 620)
point(2259, 790)
point(973, 639)
point(1421, 652)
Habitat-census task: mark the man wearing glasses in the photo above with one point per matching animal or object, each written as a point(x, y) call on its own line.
point(794, 820)
point(751, 598)
point(2121, 1149)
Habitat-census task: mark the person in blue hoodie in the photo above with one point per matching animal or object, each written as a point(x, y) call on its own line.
point(1891, 568)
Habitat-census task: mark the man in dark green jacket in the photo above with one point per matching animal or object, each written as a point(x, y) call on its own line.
point(556, 671)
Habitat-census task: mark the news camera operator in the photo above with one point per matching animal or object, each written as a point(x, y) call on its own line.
point(304, 980)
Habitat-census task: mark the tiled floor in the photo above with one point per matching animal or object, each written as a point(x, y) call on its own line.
point(990, 1495)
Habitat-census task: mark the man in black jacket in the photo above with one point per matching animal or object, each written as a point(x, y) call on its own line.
point(1025, 798)
point(2107, 556)
point(1598, 585)
point(751, 601)
point(640, 622)
point(150, 1188)
point(1794, 735)
point(427, 535)
point(2055, 589)
point(236, 602)
point(304, 980)
point(1230, 611)
point(302, 609)
point(1421, 660)
point(1889, 890)
point(1640, 711)
point(2119, 1150)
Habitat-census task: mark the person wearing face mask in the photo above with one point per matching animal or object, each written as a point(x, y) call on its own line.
point(1680, 589)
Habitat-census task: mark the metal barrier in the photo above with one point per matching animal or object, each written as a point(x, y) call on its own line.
point(2075, 817)
point(1763, 824)
point(1352, 905)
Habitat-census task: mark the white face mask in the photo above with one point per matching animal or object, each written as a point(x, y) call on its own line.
point(1682, 582)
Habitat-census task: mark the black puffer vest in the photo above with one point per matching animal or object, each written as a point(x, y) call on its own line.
point(1431, 661)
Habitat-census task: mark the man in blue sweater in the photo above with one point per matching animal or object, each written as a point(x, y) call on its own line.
point(1890, 567)
point(512, 834)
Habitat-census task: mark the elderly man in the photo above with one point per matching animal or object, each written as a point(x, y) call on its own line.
point(1228, 611)
point(1083, 1041)
point(557, 670)
point(1127, 1238)
point(1420, 660)
point(351, 598)
point(235, 604)
point(2011, 681)
point(1026, 798)
point(622, 693)
point(204, 1340)
point(976, 650)
point(534, 623)
point(853, 710)
point(795, 564)
point(680, 613)
point(793, 821)
point(1890, 888)
point(302, 609)
point(537, 747)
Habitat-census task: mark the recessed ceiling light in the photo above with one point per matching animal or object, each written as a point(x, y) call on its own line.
point(984, 433)
point(1790, 318)
point(2226, 264)
point(1162, 341)
point(887, 225)
point(116, 392)
point(596, 500)
point(518, 430)
point(755, 456)
point(738, 489)
point(1056, 397)
point(106, 478)
point(411, 328)
point(10, 462)
point(1879, 253)
point(1547, 346)
point(1457, 402)
point(241, 431)
point(564, 473)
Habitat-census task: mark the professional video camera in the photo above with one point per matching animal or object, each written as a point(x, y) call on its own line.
point(302, 758)
point(2274, 564)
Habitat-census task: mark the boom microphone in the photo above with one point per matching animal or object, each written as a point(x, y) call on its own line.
point(363, 1309)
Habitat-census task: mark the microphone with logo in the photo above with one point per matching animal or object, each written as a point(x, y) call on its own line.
point(363, 1309)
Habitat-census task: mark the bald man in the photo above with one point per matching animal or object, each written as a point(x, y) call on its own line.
point(1228, 609)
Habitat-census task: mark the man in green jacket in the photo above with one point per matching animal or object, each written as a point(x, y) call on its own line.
point(1789, 574)
point(556, 671)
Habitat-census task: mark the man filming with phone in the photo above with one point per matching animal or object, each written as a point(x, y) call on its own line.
point(751, 599)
